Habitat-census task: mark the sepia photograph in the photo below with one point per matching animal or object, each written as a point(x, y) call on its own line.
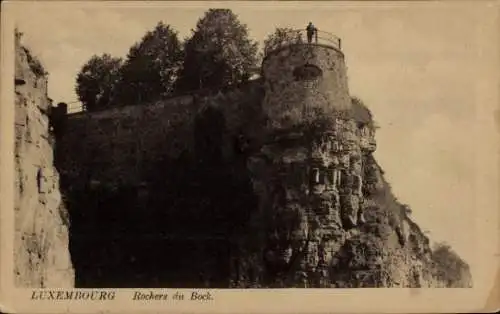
point(249, 145)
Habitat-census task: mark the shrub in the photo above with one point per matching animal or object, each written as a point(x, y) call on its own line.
point(35, 64)
point(449, 267)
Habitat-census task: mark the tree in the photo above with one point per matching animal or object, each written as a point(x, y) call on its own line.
point(218, 54)
point(96, 81)
point(450, 268)
point(151, 67)
point(280, 37)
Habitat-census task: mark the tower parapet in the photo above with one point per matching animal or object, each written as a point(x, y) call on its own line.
point(298, 37)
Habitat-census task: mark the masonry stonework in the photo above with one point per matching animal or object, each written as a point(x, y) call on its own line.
point(290, 79)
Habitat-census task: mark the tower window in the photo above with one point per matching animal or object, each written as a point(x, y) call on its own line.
point(307, 72)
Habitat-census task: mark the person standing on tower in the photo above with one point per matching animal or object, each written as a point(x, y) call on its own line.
point(311, 30)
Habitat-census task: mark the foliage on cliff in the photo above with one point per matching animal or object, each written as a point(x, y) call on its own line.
point(360, 112)
point(34, 63)
point(449, 267)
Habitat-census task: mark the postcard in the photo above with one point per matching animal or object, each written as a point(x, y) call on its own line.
point(249, 157)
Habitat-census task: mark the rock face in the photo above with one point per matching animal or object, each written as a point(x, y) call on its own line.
point(41, 221)
point(270, 185)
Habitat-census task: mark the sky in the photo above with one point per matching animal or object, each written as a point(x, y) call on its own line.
point(418, 67)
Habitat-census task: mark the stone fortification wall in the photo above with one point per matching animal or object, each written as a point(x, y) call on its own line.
point(118, 144)
point(174, 169)
point(41, 221)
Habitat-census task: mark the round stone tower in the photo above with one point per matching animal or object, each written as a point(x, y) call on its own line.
point(303, 79)
point(307, 171)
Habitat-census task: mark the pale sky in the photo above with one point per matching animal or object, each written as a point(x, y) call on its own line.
point(418, 67)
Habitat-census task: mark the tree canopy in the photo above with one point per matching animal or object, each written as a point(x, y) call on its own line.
point(151, 67)
point(281, 36)
point(96, 81)
point(218, 54)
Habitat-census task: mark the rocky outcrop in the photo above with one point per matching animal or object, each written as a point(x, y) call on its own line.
point(326, 216)
point(42, 256)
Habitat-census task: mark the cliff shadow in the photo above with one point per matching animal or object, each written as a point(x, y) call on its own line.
point(178, 227)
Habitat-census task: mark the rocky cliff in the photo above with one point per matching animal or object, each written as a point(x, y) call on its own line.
point(41, 221)
point(328, 218)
